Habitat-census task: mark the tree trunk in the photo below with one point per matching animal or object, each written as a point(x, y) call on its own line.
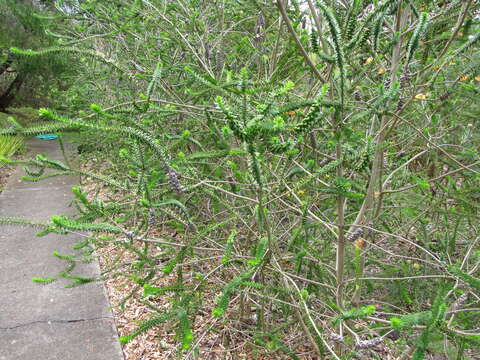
point(8, 96)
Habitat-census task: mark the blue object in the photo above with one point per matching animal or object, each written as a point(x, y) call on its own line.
point(47, 137)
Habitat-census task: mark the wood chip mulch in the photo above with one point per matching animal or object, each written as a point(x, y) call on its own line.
point(5, 173)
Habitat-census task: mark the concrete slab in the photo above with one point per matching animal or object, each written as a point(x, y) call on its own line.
point(48, 321)
point(36, 202)
point(60, 340)
point(38, 249)
point(51, 149)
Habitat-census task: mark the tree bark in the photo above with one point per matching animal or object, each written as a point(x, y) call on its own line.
point(8, 96)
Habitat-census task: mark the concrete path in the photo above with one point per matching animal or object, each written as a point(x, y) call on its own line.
point(44, 322)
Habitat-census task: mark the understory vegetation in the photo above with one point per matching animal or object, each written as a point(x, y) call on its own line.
point(300, 178)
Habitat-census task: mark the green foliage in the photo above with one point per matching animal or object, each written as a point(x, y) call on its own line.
point(229, 247)
point(43, 280)
point(259, 252)
point(185, 333)
point(155, 78)
point(224, 299)
point(377, 28)
point(45, 176)
point(140, 135)
point(149, 290)
point(336, 34)
point(355, 314)
point(37, 130)
point(437, 314)
point(351, 22)
point(313, 115)
point(173, 203)
point(22, 222)
point(417, 35)
point(65, 51)
point(184, 327)
point(9, 145)
point(407, 321)
point(380, 103)
point(469, 279)
point(294, 195)
point(147, 325)
point(63, 222)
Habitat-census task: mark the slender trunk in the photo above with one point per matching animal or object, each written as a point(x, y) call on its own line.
point(340, 256)
point(368, 203)
point(365, 214)
point(341, 240)
point(8, 96)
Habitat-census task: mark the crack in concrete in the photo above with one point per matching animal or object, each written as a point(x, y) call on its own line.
point(56, 322)
point(14, 190)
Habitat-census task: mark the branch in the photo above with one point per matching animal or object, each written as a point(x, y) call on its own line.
point(297, 40)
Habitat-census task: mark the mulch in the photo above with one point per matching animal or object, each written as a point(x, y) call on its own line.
point(5, 172)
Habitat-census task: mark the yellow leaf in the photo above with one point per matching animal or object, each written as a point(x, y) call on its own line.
point(420, 96)
point(301, 192)
point(368, 61)
point(381, 71)
point(464, 78)
point(477, 78)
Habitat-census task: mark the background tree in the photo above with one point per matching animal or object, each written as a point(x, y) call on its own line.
point(28, 81)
